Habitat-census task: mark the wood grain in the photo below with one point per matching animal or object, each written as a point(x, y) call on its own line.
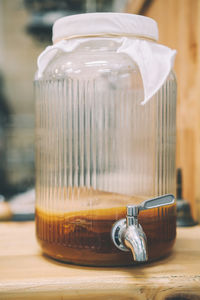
point(179, 28)
point(26, 274)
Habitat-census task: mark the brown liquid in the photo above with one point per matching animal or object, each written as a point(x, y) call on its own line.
point(84, 237)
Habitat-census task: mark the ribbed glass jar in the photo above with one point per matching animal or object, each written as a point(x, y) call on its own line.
point(97, 150)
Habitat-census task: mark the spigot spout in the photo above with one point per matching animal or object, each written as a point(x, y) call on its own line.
point(135, 240)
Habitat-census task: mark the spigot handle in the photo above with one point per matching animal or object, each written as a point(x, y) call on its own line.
point(157, 202)
point(133, 210)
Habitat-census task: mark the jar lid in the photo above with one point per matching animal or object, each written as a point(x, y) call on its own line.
point(104, 24)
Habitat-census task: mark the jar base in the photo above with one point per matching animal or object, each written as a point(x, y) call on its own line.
point(86, 257)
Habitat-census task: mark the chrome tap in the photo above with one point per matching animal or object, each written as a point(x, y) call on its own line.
point(128, 235)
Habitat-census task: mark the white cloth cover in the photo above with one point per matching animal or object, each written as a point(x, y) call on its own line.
point(108, 24)
point(154, 61)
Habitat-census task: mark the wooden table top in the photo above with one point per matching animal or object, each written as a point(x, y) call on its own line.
point(26, 274)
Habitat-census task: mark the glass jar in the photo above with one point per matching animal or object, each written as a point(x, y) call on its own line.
point(98, 150)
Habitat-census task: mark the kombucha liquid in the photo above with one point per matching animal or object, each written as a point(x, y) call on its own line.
point(84, 236)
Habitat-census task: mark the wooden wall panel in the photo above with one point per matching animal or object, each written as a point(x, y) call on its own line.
point(179, 28)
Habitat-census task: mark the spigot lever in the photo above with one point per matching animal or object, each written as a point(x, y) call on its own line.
point(157, 202)
point(132, 211)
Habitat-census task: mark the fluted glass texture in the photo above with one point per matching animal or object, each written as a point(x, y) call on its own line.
point(97, 150)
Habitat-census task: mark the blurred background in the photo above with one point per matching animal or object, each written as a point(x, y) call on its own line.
point(25, 30)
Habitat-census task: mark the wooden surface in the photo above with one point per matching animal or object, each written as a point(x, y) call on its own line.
point(26, 274)
point(179, 28)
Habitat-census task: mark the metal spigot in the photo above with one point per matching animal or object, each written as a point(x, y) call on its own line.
point(128, 235)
